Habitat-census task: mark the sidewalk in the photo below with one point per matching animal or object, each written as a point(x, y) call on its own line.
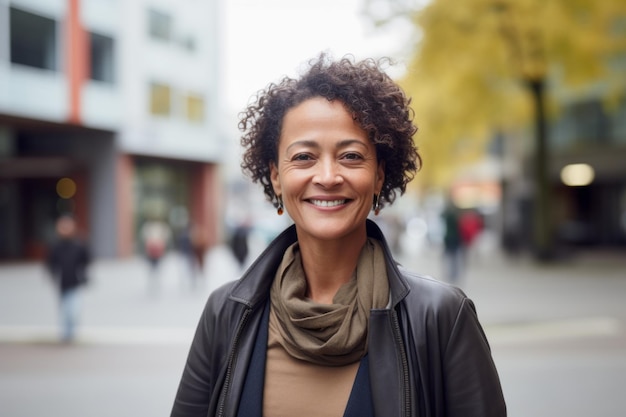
point(514, 298)
point(521, 302)
point(557, 334)
point(121, 304)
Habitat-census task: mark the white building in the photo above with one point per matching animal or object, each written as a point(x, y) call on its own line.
point(109, 111)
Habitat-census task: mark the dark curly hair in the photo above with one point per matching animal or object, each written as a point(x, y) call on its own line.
point(376, 102)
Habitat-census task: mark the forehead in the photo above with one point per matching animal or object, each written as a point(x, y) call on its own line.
point(318, 118)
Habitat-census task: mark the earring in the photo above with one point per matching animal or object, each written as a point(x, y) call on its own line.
point(279, 205)
point(377, 205)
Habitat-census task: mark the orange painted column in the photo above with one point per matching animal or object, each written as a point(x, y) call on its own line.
point(77, 59)
point(125, 221)
point(81, 202)
point(205, 201)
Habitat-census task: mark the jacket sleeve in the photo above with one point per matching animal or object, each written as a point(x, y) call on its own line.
point(197, 382)
point(472, 386)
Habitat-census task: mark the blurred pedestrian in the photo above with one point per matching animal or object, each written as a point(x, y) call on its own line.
point(470, 227)
point(239, 243)
point(186, 250)
point(452, 244)
point(199, 245)
point(155, 235)
point(67, 263)
point(196, 245)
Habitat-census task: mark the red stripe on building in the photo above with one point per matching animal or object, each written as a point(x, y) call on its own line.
point(77, 59)
point(125, 223)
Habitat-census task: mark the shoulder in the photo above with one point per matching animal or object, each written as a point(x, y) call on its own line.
point(433, 298)
point(218, 299)
point(425, 285)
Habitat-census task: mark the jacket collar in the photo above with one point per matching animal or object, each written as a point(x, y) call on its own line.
point(253, 287)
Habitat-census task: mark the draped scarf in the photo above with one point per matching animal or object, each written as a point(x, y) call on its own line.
point(328, 334)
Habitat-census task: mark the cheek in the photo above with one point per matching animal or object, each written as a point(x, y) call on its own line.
point(292, 181)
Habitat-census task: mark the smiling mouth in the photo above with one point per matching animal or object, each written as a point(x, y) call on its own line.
point(327, 203)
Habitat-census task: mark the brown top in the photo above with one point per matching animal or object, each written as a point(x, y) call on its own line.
point(294, 387)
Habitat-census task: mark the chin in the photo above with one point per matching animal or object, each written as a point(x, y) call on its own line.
point(331, 230)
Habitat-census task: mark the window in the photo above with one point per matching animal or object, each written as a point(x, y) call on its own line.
point(33, 40)
point(591, 121)
point(160, 25)
point(101, 59)
point(160, 99)
point(618, 122)
point(195, 108)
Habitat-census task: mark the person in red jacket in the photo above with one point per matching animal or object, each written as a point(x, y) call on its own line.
point(470, 226)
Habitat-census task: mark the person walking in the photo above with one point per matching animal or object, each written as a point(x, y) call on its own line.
point(67, 262)
point(325, 322)
point(155, 234)
point(239, 243)
point(452, 244)
point(470, 228)
point(193, 245)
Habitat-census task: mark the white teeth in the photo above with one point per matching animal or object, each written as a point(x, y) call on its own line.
point(326, 203)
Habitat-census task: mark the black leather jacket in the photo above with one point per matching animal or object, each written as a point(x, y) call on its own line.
point(428, 355)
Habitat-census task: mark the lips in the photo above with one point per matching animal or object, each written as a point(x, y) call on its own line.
point(327, 203)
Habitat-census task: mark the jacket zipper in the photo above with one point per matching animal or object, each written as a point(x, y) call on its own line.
point(405, 363)
point(231, 362)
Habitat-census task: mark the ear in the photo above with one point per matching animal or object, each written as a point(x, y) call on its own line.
point(274, 177)
point(380, 176)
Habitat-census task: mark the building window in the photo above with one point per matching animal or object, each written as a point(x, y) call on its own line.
point(618, 123)
point(195, 108)
point(160, 25)
point(591, 121)
point(160, 99)
point(102, 58)
point(33, 40)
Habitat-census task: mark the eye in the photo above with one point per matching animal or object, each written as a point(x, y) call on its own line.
point(352, 156)
point(301, 157)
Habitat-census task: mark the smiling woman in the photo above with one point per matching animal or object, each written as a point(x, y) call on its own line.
point(326, 173)
point(325, 322)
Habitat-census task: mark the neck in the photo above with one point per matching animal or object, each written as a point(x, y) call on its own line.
point(328, 265)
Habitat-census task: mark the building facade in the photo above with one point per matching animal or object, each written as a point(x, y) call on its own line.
point(587, 175)
point(589, 172)
point(108, 111)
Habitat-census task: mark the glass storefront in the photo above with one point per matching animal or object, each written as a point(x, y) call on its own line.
point(161, 193)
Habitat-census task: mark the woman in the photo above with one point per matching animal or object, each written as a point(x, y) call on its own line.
point(324, 322)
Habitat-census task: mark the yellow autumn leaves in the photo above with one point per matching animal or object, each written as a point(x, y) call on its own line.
point(468, 74)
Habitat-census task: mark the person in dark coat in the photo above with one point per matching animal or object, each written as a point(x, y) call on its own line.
point(67, 263)
point(239, 243)
point(452, 244)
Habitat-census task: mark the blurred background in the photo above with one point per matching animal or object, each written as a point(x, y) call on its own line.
point(124, 115)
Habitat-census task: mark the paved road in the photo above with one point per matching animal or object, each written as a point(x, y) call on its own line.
point(557, 332)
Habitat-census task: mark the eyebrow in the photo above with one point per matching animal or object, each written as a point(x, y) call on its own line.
point(313, 144)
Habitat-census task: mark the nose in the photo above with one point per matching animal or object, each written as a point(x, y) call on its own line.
point(328, 174)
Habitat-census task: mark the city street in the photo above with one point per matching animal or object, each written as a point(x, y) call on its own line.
point(557, 333)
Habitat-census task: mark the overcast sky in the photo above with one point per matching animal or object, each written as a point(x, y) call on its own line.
point(263, 40)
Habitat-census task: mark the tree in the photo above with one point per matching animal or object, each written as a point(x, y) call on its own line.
point(485, 66)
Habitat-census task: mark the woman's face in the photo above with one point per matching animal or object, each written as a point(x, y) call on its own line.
point(327, 171)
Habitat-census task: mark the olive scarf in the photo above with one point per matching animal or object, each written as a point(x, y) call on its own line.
point(329, 334)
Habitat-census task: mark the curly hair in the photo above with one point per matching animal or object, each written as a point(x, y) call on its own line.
point(375, 101)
